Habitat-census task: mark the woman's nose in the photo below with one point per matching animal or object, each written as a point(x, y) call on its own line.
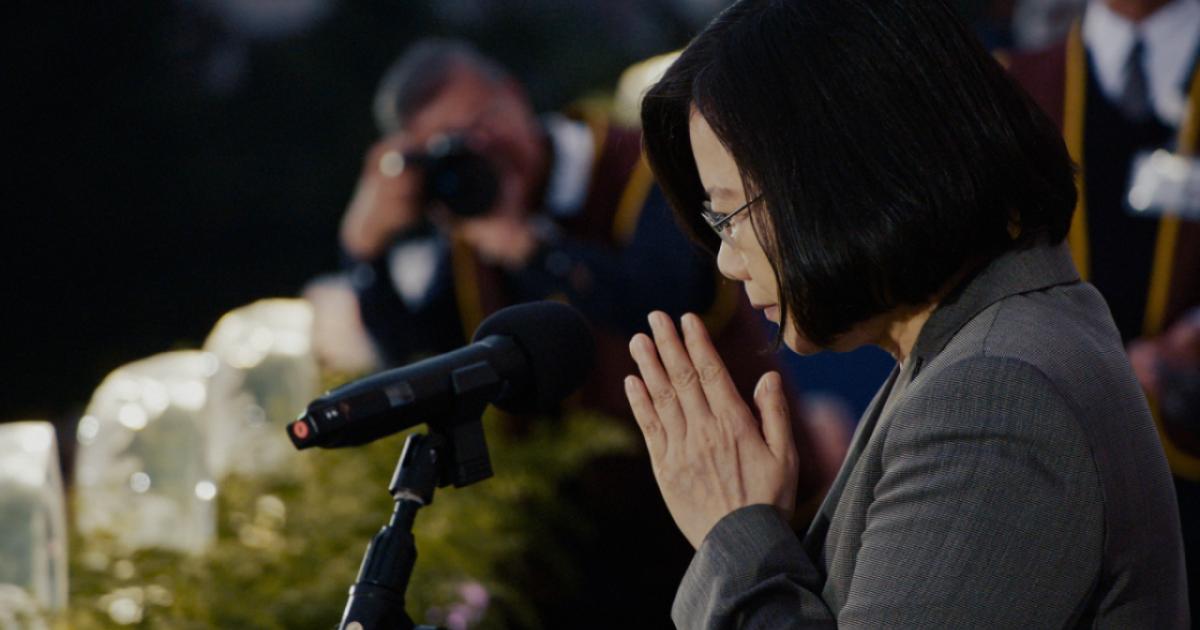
point(730, 263)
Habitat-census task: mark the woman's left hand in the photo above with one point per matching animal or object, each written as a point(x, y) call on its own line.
point(709, 452)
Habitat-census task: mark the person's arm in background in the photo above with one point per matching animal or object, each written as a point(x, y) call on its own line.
point(398, 267)
point(411, 317)
point(1168, 368)
point(386, 201)
point(658, 269)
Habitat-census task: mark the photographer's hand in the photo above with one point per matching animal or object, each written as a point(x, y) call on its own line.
point(1177, 347)
point(386, 200)
point(503, 239)
point(709, 453)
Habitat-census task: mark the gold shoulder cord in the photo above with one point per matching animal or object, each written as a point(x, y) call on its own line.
point(466, 286)
point(633, 199)
point(1075, 97)
point(467, 292)
point(1182, 463)
point(1168, 233)
point(629, 209)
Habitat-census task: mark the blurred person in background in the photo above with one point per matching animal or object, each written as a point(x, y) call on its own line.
point(1122, 84)
point(471, 202)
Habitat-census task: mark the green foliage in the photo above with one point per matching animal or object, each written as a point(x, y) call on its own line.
point(288, 549)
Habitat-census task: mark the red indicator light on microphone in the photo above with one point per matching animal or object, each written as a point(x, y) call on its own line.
point(300, 429)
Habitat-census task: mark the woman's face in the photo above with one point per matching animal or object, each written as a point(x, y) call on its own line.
point(741, 257)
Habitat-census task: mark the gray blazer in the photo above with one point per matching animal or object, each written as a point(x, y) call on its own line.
point(1009, 476)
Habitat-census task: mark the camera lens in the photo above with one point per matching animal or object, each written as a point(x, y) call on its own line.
point(459, 178)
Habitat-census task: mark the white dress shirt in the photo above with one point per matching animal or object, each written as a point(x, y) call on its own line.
point(1170, 35)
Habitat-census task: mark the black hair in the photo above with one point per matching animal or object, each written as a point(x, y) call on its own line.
point(891, 150)
point(421, 72)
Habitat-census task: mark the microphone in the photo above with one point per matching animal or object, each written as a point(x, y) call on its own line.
point(524, 358)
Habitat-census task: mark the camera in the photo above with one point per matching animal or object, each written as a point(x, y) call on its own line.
point(455, 176)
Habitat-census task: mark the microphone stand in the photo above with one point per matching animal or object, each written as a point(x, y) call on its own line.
point(454, 451)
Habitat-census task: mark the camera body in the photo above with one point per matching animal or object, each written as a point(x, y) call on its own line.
point(455, 176)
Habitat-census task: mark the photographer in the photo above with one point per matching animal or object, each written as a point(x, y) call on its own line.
point(571, 213)
point(471, 202)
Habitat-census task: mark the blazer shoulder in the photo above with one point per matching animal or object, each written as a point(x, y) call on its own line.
point(1030, 353)
point(1001, 395)
point(1067, 334)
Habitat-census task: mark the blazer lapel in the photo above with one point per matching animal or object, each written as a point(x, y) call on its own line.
point(814, 540)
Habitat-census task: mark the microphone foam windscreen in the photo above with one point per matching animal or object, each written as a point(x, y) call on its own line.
point(558, 345)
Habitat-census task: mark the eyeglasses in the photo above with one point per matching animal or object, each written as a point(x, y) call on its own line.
point(722, 224)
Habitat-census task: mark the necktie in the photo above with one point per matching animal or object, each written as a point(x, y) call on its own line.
point(1135, 97)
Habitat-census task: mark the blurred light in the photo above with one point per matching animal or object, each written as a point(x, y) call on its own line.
point(267, 372)
point(125, 611)
point(291, 343)
point(206, 490)
point(261, 339)
point(124, 570)
point(124, 387)
point(139, 482)
point(154, 397)
point(212, 363)
point(270, 19)
point(26, 450)
point(89, 426)
point(1140, 197)
point(391, 164)
point(35, 440)
point(18, 471)
point(159, 595)
point(1171, 166)
point(272, 507)
point(189, 395)
point(132, 415)
point(245, 357)
point(136, 474)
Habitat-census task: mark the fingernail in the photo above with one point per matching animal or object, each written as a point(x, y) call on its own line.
point(629, 383)
point(772, 381)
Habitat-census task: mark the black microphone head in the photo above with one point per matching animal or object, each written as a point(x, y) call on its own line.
point(558, 345)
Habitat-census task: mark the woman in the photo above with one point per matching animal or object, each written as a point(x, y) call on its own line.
point(872, 176)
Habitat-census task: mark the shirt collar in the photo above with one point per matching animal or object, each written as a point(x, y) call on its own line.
point(574, 153)
point(1171, 35)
